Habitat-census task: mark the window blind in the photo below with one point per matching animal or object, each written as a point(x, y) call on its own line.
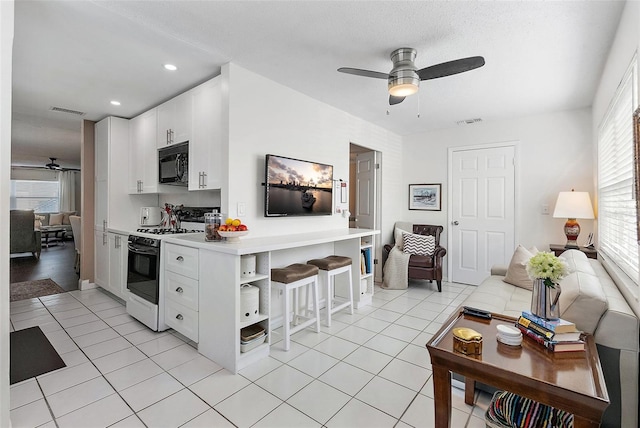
point(617, 223)
point(40, 196)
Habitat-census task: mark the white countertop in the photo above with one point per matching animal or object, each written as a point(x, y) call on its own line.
point(249, 245)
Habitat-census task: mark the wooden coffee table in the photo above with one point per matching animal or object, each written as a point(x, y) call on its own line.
point(57, 232)
point(568, 381)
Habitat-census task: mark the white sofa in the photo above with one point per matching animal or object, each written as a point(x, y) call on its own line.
point(592, 301)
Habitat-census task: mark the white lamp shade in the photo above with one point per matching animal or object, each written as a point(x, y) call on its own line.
point(573, 205)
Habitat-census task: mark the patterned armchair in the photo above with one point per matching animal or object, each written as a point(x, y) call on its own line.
point(423, 267)
point(23, 237)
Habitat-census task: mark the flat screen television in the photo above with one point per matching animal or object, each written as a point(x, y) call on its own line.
point(295, 187)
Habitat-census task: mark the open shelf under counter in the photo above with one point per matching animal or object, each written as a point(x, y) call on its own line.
point(256, 277)
point(261, 317)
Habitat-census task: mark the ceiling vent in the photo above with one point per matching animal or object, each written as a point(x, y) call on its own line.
point(468, 121)
point(69, 111)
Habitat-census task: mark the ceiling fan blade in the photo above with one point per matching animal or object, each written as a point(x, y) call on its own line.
point(395, 100)
point(365, 73)
point(452, 67)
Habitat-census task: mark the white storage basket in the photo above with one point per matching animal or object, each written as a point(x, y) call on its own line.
point(249, 303)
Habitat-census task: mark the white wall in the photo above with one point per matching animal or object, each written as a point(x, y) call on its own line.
point(266, 117)
point(554, 154)
point(6, 48)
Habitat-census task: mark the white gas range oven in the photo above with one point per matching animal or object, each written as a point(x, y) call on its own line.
point(145, 300)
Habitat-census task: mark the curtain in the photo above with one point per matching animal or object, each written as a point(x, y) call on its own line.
point(67, 190)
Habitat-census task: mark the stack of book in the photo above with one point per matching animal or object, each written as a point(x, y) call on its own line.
point(557, 335)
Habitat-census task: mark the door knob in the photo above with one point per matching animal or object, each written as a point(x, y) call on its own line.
point(179, 317)
point(179, 258)
point(455, 222)
point(179, 290)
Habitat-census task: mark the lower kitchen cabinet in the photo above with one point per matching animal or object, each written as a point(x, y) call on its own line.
point(101, 259)
point(118, 264)
point(110, 257)
point(181, 290)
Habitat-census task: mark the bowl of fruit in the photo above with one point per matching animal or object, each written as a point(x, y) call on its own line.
point(233, 229)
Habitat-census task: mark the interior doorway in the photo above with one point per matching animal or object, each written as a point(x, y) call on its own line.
point(364, 193)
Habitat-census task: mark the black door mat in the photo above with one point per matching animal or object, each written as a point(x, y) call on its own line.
point(31, 355)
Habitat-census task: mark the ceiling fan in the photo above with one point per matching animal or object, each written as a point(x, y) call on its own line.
point(53, 165)
point(404, 78)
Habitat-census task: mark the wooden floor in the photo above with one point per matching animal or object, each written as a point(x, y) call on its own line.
point(56, 262)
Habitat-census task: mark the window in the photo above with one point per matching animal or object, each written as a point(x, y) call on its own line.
point(40, 196)
point(617, 223)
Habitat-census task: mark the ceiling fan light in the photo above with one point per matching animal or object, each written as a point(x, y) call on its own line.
point(403, 89)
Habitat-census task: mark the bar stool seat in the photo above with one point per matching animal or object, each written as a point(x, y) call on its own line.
point(292, 278)
point(331, 266)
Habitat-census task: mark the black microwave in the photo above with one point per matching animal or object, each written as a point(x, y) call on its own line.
point(173, 164)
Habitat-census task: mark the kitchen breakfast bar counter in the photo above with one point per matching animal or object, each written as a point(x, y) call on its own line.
point(202, 282)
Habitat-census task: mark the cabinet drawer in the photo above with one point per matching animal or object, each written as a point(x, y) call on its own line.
point(181, 319)
point(182, 260)
point(181, 289)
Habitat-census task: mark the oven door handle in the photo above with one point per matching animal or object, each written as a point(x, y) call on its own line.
point(140, 250)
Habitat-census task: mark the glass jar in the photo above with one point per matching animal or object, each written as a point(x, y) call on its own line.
point(212, 222)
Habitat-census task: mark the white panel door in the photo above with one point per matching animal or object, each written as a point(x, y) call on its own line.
point(482, 212)
point(366, 190)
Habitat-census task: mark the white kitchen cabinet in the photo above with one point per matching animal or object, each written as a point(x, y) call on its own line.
point(174, 120)
point(143, 153)
point(101, 254)
point(181, 287)
point(114, 207)
point(111, 256)
point(205, 146)
point(118, 254)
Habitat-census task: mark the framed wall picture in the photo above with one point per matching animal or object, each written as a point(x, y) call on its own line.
point(426, 197)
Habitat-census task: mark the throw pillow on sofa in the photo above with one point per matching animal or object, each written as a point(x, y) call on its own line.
point(517, 271)
point(65, 216)
point(55, 219)
point(422, 245)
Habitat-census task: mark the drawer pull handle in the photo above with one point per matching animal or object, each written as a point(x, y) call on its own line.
point(180, 258)
point(179, 290)
point(179, 317)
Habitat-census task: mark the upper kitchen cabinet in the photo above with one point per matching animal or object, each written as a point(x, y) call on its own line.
point(174, 120)
point(114, 207)
point(205, 146)
point(143, 153)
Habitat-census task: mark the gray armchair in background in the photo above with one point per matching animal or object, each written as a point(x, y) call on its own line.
point(23, 237)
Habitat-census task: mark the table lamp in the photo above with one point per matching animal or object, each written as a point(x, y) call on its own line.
point(573, 205)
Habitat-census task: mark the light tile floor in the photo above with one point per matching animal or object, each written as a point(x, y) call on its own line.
point(370, 369)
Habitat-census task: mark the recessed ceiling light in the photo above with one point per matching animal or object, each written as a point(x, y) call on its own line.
point(170, 67)
point(115, 103)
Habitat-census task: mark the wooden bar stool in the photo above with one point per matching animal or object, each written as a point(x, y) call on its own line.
point(291, 278)
point(330, 267)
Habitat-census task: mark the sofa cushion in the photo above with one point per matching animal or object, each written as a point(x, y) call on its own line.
point(65, 217)
point(582, 300)
point(56, 219)
point(577, 261)
point(517, 270)
point(422, 245)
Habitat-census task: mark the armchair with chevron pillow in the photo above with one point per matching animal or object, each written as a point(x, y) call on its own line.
point(423, 246)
